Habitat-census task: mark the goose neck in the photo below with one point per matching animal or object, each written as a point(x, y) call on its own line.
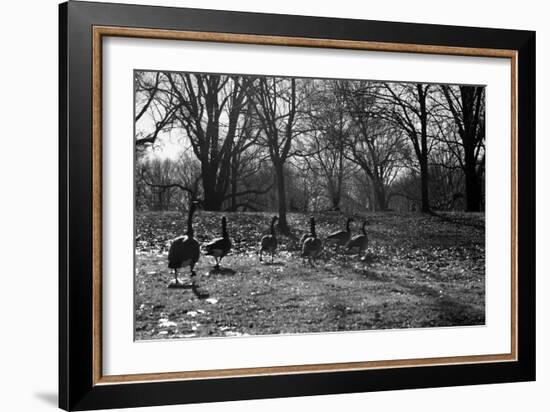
point(190, 220)
point(224, 229)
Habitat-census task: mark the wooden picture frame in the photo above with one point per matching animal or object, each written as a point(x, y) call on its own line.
point(82, 385)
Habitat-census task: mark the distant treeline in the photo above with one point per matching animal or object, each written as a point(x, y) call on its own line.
point(294, 144)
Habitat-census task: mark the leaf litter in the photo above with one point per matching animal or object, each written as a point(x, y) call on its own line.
point(419, 271)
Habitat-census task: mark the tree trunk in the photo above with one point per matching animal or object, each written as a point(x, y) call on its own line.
point(233, 207)
point(471, 177)
point(424, 177)
point(473, 186)
point(306, 198)
point(336, 202)
point(380, 198)
point(468, 118)
point(281, 199)
point(424, 184)
point(212, 203)
point(212, 200)
point(335, 196)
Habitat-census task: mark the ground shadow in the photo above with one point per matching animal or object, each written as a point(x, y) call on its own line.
point(200, 292)
point(179, 285)
point(371, 257)
point(274, 263)
point(374, 276)
point(222, 271)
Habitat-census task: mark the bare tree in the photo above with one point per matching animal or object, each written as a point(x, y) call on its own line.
point(410, 111)
point(145, 88)
point(160, 109)
point(329, 126)
point(247, 160)
point(158, 175)
point(446, 179)
point(266, 143)
point(161, 182)
point(208, 109)
point(376, 145)
point(467, 106)
point(276, 106)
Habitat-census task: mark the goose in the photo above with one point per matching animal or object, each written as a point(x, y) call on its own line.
point(269, 242)
point(342, 237)
point(304, 237)
point(359, 242)
point(312, 246)
point(221, 246)
point(185, 250)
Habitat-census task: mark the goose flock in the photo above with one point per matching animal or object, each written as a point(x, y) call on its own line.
point(185, 250)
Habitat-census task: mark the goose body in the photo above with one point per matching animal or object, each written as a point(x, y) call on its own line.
point(221, 246)
point(341, 237)
point(361, 241)
point(185, 250)
point(269, 242)
point(312, 246)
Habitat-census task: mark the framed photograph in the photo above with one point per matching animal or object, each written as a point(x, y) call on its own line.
point(256, 206)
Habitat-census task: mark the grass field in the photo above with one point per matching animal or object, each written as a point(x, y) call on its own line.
point(419, 271)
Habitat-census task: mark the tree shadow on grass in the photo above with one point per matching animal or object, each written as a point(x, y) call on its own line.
point(456, 313)
point(456, 220)
point(450, 311)
point(374, 276)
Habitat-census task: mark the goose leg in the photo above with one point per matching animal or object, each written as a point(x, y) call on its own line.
point(175, 276)
point(192, 275)
point(261, 255)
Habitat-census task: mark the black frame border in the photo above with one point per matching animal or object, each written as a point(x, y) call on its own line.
point(76, 388)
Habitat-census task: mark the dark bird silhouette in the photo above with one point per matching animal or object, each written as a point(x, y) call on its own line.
point(221, 246)
point(312, 247)
point(269, 242)
point(185, 250)
point(360, 242)
point(342, 237)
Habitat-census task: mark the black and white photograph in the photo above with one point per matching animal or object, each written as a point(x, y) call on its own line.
point(270, 205)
